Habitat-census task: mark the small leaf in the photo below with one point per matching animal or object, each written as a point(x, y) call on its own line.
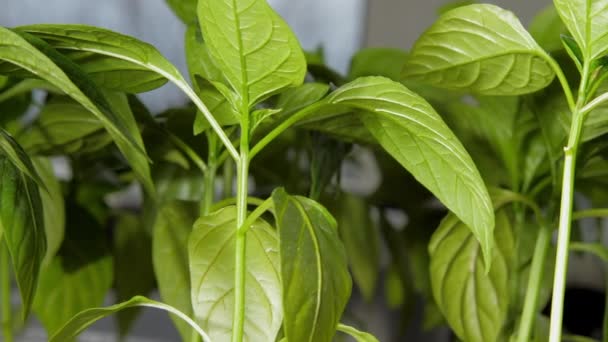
point(184, 9)
point(22, 226)
point(133, 271)
point(474, 304)
point(53, 207)
point(314, 273)
point(255, 49)
point(586, 21)
point(79, 277)
point(294, 99)
point(573, 50)
point(211, 250)
point(359, 336)
point(387, 62)
point(87, 317)
point(408, 128)
point(480, 48)
point(361, 240)
point(170, 257)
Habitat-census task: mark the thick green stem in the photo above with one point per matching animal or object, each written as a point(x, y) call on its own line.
point(534, 284)
point(563, 238)
point(209, 189)
point(228, 178)
point(241, 233)
point(5, 279)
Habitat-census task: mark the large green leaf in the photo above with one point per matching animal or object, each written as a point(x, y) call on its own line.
point(480, 48)
point(79, 277)
point(361, 240)
point(255, 49)
point(61, 72)
point(586, 20)
point(86, 318)
point(133, 271)
point(314, 272)
point(10, 149)
point(211, 250)
point(475, 303)
point(22, 226)
point(170, 258)
point(408, 128)
point(53, 207)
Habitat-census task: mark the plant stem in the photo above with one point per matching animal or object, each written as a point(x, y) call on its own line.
point(241, 233)
point(228, 178)
point(5, 301)
point(208, 189)
point(534, 283)
point(565, 218)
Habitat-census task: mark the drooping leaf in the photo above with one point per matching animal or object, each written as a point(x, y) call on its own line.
point(480, 48)
point(255, 49)
point(211, 250)
point(86, 318)
point(315, 279)
point(359, 336)
point(586, 21)
point(546, 28)
point(53, 207)
point(133, 271)
point(597, 249)
point(64, 127)
point(61, 72)
point(78, 277)
point(387, 62)
point(361, 240)
point(11, 150)
point(474, 303)
point(22, 226)
point(408, 128)
point(170, 258)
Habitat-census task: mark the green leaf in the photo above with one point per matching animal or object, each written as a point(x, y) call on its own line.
point(79, 277)
point(586, 21)
point(18, 157)
point(133, 271)
point(573, 50)
point(255, 49)
point(359, 336)
point(597, 249)
point(408, 128)
point(474, 303)
point(65, 75)
point(480, 48)
point(294, 99)
point(87, 317)
point(361, 240)
point(546, 28)
point(211, 250)
point(22, 226)
point(64, 127)
point(387, 62)
point(53, 207)
point(170, 257)
point(184, 9)
point(314, 273)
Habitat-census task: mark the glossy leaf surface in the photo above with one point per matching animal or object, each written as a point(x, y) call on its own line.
point(314, 273)
point(480, 48)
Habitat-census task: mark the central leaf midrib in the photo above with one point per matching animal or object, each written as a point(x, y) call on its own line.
point(243, 60)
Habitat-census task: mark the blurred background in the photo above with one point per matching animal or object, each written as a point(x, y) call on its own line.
point(339, 27)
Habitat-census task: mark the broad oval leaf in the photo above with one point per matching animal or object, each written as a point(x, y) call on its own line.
point(586, 20)
point(86, 318)
point(314, 271)
point(408, 128)
point(78, 277)
point(474, 303)
point(253, 46)
point(170, 258)
point(211, 251)
point(22, 226)
point(480, 48)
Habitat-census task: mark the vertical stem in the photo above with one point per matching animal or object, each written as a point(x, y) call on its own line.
point(241, 205)
point(209, 189)
point(534, 283)
point(5, 300)
point(563, 237)
point(228, 178)
point(605, 322)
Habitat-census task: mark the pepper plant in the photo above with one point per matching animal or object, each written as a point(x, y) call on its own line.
point(473, 112)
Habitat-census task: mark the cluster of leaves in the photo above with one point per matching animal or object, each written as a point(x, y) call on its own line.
point(474, 106)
